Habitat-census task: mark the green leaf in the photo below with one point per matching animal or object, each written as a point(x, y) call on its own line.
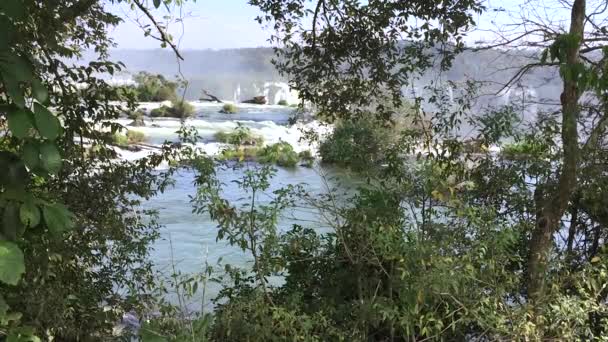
point(3, 307)
point(13, 9)
point(50, 157)
point(30, 154)
point(22, 334)
point(29, 213)
point(48, 125)
point(13, 175)
point(58, 218)
point(19, 123)
point(17, 67)
point(157, 3)
point(14, 90)
point(11, 224)
point(39, 91)
point(7, 32)
point(12, 265)
point(148, 335)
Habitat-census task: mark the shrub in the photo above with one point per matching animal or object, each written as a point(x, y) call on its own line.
point(159, 112)
point(165, 93)
point(240, 153)
point(229, 108)
point(127, 92)
point(120, 139)
point(136, 114)
point(307, 157)
point(131, 137)
point(283, 103)
point(281, 153)
point(135, 137)
point(359, 144)
point(240, 136)
point(179, 109)
point(154, 88)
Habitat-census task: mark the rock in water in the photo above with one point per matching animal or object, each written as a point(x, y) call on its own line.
point(257, 100)
point(137, 122)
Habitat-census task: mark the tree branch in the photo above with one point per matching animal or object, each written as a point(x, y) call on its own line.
point(163, 35)
point(314, 23)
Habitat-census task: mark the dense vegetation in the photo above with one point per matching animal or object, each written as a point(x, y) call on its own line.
point(229, 108)
point(73, 246)
point(131, 137)
point(178, 109)
point(449, 240)
point(246, 146)
point(150, 88)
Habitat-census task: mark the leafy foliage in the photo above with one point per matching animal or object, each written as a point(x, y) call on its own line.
point(281, 154)
point(345, 56)
point(240, 136)
point(178, 109)
point(73, 242)
point(358, 144)
point(229, 108)
point(153, 88)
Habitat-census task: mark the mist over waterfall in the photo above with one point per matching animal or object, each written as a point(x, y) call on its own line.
point(240, 74)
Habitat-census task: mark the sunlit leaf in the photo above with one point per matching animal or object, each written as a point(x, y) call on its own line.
point(57, 218)
point(12, 265)
point(29, 213)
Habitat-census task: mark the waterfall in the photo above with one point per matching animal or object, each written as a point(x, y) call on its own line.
point(237, 93)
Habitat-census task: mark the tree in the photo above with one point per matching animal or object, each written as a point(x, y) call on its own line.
point(575, 52)
point(72, 235)
point(344, 56)
point(344, 72)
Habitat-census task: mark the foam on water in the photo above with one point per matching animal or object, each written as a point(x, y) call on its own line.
point(159, 130)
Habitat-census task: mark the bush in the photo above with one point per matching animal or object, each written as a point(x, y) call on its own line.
point(240, 136)
point(358, 144)
point(135, 137)
point(283, 103)
point(131, 137)
point(229, 108)
point(307, 157)
point(240, 153)
point(179, 109)
point(159, 112)
point(136, 114)
point(165, 93)
point(154, 88)
point(120, 139)
point(281, 154)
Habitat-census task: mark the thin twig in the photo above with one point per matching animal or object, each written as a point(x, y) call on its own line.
point(163, 35)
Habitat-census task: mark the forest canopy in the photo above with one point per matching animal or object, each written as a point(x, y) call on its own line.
point(490, 233)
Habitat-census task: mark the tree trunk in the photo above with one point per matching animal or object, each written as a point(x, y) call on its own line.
point(572, 228)
point(555, 203)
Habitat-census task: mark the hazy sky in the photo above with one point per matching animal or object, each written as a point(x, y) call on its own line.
point(208, 24)
point(219, 24)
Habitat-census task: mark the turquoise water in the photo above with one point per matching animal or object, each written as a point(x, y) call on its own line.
point(188, 240)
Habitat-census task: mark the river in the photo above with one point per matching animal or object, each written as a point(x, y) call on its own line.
point(188, 240)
